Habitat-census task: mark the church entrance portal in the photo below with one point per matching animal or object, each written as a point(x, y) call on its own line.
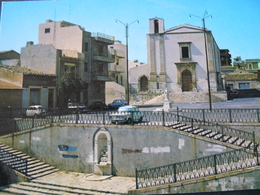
point(186, 80)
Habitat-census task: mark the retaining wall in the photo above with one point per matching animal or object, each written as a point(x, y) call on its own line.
point(71, 147)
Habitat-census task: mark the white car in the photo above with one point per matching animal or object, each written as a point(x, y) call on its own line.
point(35, 111)
point(127, 114)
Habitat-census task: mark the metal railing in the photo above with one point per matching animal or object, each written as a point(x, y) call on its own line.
point(201, 167)
point(216, 115)
point(170, 173)
point(14, 161)
point(150, 118)
point(103, 35)
point(224, 115)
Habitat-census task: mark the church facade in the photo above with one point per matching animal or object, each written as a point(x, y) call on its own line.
point(177, 63)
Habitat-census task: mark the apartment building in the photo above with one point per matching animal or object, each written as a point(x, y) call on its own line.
point(66, 47)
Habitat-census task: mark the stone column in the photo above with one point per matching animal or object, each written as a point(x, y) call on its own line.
point(152, 51)
point(162, 75)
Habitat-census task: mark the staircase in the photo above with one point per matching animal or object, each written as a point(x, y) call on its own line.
point(215, 135)
point(35, 168)
point(39, 187)
point(156, 100)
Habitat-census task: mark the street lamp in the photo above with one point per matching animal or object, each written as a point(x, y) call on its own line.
point(126, 36)
point(206, 52)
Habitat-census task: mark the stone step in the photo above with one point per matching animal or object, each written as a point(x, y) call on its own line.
point(21, 189)
point(62, 188)
point(47, 172)
point(40, 170)
point(38, 166)
point(32, 164)
point(35, 168)
point(40, 187)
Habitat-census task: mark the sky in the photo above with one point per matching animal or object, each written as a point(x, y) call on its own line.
point(234, 23)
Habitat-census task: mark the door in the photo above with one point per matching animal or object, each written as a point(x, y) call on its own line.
point(186, 80)
point(143, 83)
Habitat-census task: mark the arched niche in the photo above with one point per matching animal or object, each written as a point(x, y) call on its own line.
point(102, 152)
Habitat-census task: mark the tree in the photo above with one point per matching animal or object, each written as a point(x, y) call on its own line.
point(69, 86)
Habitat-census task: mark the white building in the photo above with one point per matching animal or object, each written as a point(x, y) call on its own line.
point(177, 62)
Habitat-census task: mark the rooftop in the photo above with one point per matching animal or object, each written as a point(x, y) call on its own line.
point(23, 70)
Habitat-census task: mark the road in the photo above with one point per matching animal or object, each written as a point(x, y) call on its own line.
point(240, 103)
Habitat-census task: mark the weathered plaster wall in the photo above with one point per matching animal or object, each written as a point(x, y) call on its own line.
point(114, 91)
point(132, 147)
point(236, 180)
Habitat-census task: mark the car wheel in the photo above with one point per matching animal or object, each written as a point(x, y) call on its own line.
point(140, 119)
point(129, 121)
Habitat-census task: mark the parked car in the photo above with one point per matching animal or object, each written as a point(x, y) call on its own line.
point(234, 93)
point(117, 103)
point(97, 105)
point(35, 111)
point(75, 106)
point(127, 114)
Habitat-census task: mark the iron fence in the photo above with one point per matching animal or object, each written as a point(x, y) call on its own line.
point(216, 115)
point(201, 167)
point(14, 161)
point(149, 118)
point(170, 173)
point(223, 115)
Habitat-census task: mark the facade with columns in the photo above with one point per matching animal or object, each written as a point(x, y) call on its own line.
point(177, 61)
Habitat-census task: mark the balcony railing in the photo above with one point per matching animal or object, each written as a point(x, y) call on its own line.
point(104, 58)
point(102, 35)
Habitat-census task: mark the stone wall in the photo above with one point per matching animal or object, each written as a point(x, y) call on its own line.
point(72, 147)
point(220, 184)
point(114, 91)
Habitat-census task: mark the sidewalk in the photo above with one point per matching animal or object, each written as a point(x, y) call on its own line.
point(240, 103)
point(114, 184)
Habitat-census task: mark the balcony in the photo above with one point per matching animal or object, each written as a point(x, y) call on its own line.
point(104, 59)
point(100, 77)
point(103, 38)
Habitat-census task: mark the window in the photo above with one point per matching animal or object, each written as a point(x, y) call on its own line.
point(156, 26)
point(231, 86)
point(69, 67)
point(86, 67)
point(244, 85)
point(100, 68)
point(35, 96)
point(47, 30)
point(100, 50)
point(185, 53)
point(98, 88)
point(86, 46)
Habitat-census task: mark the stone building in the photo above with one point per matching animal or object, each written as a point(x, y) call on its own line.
point(241, 79)
point(177, 62)
point(66, 47)
point(225, 57)
point(21, 87)
point(10, 58)
point(116, 88)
